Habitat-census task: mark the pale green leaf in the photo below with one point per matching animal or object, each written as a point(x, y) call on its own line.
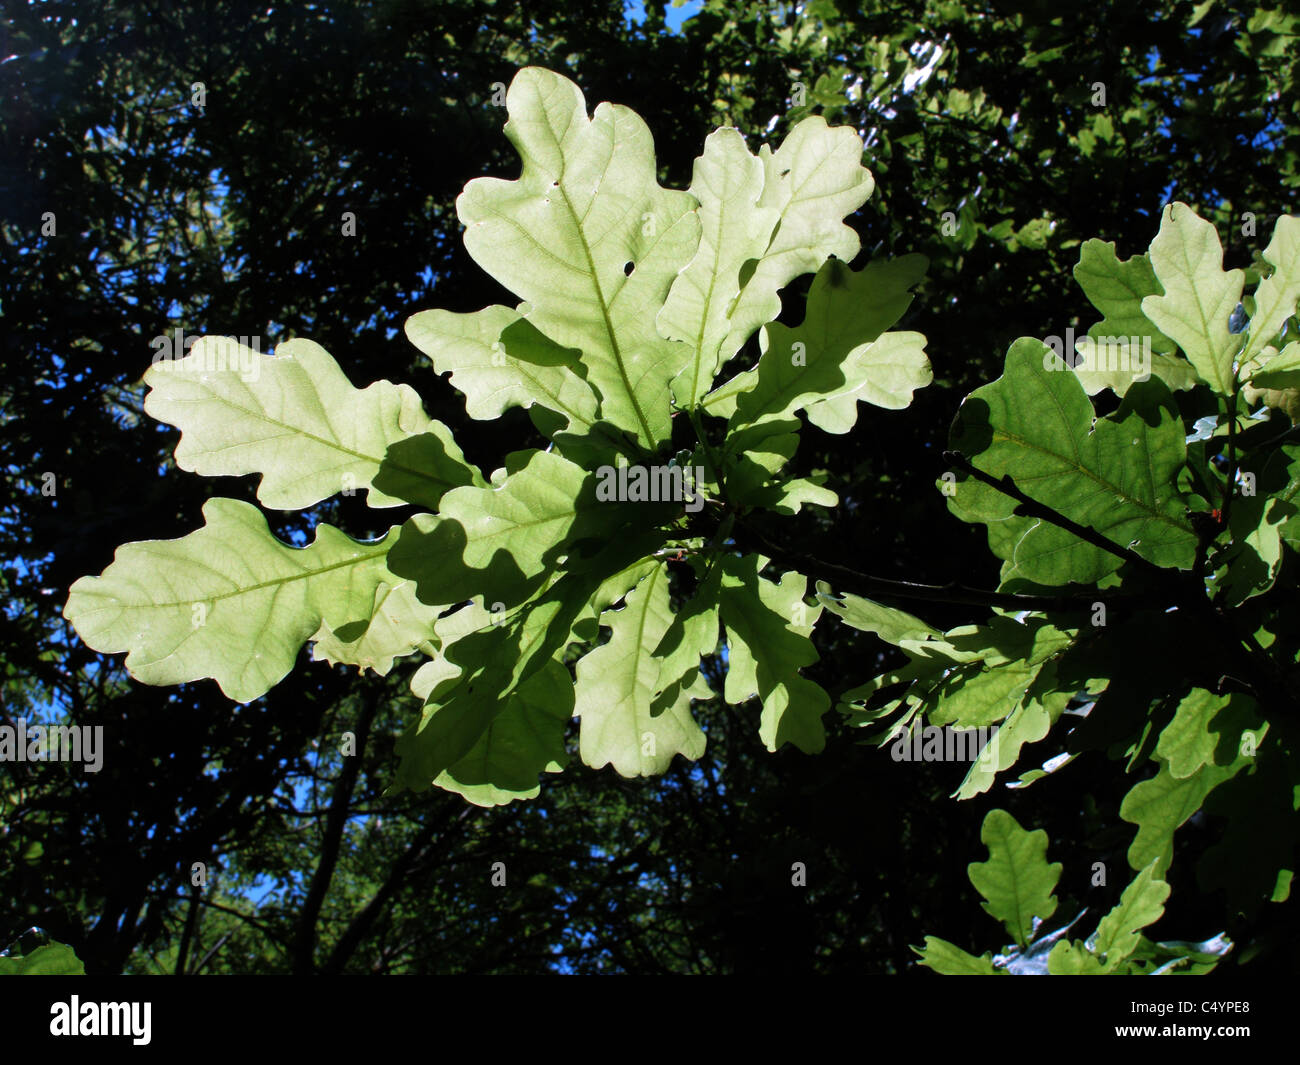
point(497, 656)
point(524, 740)
point(788, 497)
point(949, 960)
point(940, 665)
point(972, 697)
point(1073, 959)
point(229, 601)
point(728, 183)
point(1116, 287)
point(499, 360)
point(1275, 298)
point(1142, 904)
point(1199, 296)
point(586, 626)
point(1017, 882)
point(768, 627)
point(296, 419)
point(1201, 725)
point(1276, 370)
point(1104, 360)
point(618, 682)
point(1159, 805)
point(491, 666)
point(1027, 723)
point(813, 180)
point(891, 625)
point(500, 542)
point(1275, 379)
point(398, 625)
point(693, 633)
point(754, 479)
point(827, 354)
point(889, 370)
point(588, 238)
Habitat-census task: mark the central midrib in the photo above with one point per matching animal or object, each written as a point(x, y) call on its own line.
point(652, 580)
point(249, 588)
point(604, 313)
point(334, 445)
point(1073, 464)
point(708, 302)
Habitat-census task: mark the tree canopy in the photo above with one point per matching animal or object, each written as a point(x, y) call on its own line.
point(292, 174)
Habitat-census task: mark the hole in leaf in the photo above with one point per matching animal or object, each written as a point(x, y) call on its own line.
point(628, 268)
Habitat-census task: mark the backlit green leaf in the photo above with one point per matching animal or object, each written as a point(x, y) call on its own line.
point(1115, 475)
point(728, 183)
point(588, 238)
point(618, 683)
point(813, 181)
point(229, 601)
point(49, 959)
point(1275, 298)
point(948, 960)
point(1017, 882)
point(1116, 287)
point(1141, 904)
point(296, 419)
point(398, 624)
point(1199, 295)
point(768, 627)
point(498, 359)
point(499, 542)
point(523, 741)
point(1159, 805)
point(830, 353)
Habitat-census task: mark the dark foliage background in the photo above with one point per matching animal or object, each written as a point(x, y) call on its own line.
point(127, 212)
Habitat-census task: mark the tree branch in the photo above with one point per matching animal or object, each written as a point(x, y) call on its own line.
point(187, 936)
point(843, 578)
point(303, 950)
point(359, 927)
point(1031, 508)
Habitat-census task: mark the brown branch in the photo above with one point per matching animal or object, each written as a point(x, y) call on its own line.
point(359, 927)
point(303, 948)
